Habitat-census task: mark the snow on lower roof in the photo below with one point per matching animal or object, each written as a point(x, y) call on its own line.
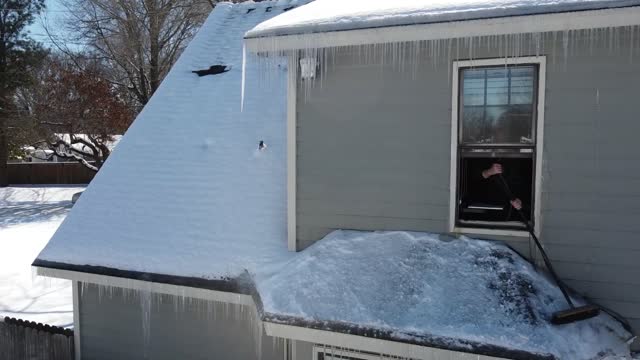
point(339, 15)
point(455, 293)
point(187, 192)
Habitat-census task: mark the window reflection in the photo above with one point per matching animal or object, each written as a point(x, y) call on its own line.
point(498, 105)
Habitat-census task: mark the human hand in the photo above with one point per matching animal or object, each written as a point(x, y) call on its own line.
point(517, 204)
point(495, 169)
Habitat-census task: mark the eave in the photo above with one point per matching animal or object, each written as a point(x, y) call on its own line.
point(231, 290)
point(524, 24)
point(408, 345)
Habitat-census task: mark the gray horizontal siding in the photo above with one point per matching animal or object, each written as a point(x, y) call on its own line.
point(374, 153)
point(360, 164)
point(111, 323)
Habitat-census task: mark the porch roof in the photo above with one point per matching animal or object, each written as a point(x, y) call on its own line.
point(431, 290)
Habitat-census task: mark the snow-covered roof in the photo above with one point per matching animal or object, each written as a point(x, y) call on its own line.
point(339, 15)
point(188, 198)
point(187, 192)
point(462, 294)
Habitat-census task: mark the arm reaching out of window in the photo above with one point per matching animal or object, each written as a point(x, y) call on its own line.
point(495, 169)
point(516, 203)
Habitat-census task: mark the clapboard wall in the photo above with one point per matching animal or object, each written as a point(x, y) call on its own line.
point(373, 150)
point(118, 323)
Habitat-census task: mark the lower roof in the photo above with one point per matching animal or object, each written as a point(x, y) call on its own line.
point(416, 288)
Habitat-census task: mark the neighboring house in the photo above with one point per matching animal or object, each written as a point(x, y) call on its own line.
point(376, 116)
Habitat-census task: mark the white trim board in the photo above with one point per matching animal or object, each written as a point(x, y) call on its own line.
point(362, 343)
point(168, 289)
point(448, 30)
point(292, 81)
point(541, 61)
point(76, 320)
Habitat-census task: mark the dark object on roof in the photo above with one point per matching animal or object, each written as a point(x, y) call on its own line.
point(268, 9)
point(575, 313)
point(212, 70)
point(250, 10)
point(288, 8)
point(262, 145)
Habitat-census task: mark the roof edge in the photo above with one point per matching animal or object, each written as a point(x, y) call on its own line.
point(430, 341)
point(516, 24)
point(239, 285)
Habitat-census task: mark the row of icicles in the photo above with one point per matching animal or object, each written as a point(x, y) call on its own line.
point(407, 58)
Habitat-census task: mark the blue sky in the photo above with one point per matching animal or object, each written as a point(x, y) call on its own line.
point(53, 15)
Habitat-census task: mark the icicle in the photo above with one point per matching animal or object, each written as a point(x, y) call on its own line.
point(34, 275)
point(565, 46)
point(145, 305)
point(631, 31)
point(244, 76)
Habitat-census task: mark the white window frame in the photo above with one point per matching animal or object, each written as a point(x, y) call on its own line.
point(292, 88)
point(75, 291)
point(541, 61)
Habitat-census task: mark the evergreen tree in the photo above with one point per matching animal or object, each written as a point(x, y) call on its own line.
point(18, 54)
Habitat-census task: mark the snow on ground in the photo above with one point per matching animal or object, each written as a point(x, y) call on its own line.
point(337, 15)
point(419, 284)
point(28, 218)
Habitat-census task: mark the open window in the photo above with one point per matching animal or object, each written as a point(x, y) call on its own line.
point(497, 121)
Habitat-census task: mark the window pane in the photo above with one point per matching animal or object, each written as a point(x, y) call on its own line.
point(473, 87)
point(498, 105)
point(522, 85)
point(511, 124)
point(498, 86)
point(475, 126)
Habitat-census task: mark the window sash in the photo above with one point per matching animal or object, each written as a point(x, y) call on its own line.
point(486, 104)
point(490, 149)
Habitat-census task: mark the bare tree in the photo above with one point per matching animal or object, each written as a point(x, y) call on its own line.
point(140, 39)
point(76, 112)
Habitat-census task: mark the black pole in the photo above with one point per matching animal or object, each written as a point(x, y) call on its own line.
point(547, 262)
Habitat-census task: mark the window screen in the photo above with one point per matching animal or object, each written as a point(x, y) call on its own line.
point(497, 105)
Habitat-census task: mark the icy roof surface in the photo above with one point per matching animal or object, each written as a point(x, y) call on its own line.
point(186, 191)
point(337, 15)
point(419, 284)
